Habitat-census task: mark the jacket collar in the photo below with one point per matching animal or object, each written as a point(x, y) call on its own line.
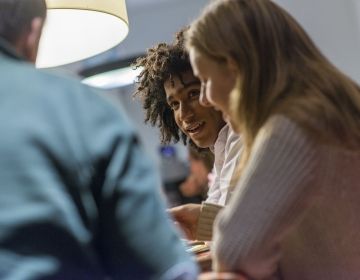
point(7, 49)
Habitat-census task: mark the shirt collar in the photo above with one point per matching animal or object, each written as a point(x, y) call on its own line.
point(221, 139)
point(219, 147)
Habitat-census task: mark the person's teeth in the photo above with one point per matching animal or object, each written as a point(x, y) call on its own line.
point(195, 127)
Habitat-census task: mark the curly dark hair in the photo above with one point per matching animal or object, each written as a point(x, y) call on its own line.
point(159, 64)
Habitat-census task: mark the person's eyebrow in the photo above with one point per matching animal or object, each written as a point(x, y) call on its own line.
point(194, 82)
point(184, 85)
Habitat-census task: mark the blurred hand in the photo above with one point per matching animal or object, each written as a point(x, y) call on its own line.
point(187, 217)
point(204, 261)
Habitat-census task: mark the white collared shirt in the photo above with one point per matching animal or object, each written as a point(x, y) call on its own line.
point(227, 150)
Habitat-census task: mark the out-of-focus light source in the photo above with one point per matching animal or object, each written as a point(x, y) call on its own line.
point(114, 78)
point(78, 29)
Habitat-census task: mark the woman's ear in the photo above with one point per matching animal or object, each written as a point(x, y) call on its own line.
point(33, 39)
point(232, 65)
point(232, 70)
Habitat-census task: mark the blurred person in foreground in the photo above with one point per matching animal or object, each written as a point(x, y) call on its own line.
point(294, 213)
point(172, 100)
point(77, 192)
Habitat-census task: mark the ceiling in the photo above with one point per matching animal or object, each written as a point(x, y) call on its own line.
point(154, 21)
point(150, 22)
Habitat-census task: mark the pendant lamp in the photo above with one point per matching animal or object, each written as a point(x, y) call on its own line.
point(78, 29)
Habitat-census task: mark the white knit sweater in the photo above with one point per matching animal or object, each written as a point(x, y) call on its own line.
point(296, 207)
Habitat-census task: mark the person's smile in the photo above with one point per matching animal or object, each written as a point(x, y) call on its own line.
point(195, 128)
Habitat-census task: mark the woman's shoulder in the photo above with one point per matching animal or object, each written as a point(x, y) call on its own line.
point(282, 125)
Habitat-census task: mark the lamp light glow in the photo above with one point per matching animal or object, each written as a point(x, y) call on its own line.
point(78, 29)
point(113, 79)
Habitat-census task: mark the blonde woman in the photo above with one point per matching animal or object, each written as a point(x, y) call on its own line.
point(295, 210)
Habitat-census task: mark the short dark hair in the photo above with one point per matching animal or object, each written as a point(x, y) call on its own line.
point(158, 65)
point(16, 17)
point(204, 155)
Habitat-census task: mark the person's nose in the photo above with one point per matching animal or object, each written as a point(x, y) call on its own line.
point(203, 99)
point(186, 112)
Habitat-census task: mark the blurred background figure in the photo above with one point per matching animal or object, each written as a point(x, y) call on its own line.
point(173, 172)
point(194, 189)
point(185, 182)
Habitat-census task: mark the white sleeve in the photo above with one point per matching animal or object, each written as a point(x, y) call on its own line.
point(213, 195)
point(233, 151)
point(223, 185)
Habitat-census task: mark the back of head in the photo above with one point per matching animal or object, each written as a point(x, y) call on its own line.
point(203, 155)
point(280, 69)
point(16, 17)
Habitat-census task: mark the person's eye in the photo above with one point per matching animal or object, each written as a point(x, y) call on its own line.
point(194, 94)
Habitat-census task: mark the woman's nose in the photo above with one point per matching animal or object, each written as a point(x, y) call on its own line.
point(203, 99)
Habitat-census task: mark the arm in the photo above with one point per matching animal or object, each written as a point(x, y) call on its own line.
point(196, 220)
point(213, 194)
point(133, 225)
point(225, 182)
point(187, 217)
point(233, 151)
point(268, 200)
point(207, 215)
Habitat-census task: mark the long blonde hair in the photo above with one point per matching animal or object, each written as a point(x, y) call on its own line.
point(281, 71)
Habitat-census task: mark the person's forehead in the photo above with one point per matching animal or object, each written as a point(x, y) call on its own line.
point(188, 78)
point(180, 81)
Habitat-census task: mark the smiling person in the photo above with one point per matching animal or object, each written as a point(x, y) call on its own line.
point(172, 100)
point(295, 208)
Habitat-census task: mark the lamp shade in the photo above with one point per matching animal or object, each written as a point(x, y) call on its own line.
point(78, 29)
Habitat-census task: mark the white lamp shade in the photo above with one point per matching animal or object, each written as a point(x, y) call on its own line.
point(78, 29)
